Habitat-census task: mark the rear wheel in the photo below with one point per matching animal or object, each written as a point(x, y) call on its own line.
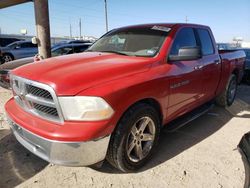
point(7, 58)
point(135, 138)
point(228, 95)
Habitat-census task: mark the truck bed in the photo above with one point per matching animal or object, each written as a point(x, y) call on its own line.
point(231, 60)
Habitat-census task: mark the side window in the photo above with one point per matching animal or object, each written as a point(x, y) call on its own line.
point(62, 51)
point(247, 54)
point(206, 42)
point(27, 45)
point(184, 38)
point(79, 49)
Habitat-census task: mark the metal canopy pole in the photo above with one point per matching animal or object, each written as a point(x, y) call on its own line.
point(42, 27)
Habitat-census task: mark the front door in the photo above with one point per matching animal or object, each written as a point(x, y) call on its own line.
point(184, 76)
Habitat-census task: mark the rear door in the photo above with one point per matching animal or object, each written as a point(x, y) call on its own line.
point(211, 64)
point(185, 78)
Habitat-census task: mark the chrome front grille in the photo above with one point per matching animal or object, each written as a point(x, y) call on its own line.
point(39, 92)
point(36, 98)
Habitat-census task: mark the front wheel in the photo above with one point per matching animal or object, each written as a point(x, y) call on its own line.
point(229, 94)
point(7, 58)
point(135, 138)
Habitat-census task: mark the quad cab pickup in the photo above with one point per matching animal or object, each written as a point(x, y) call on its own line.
point(112, 101)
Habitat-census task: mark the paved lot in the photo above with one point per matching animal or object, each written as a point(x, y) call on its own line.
point(201, 154)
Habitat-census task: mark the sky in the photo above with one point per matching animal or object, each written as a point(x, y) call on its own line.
point(227, 18)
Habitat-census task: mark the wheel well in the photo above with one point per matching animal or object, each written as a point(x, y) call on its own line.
point(152, 102)
point(8, 54)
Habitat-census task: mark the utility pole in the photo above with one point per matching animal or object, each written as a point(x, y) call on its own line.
point(42, 27)
point(80, 27)
point(186, 19)
point(70, 31)
point(106, 15)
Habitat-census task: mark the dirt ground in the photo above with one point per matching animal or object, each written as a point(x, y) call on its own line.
point(201, 154)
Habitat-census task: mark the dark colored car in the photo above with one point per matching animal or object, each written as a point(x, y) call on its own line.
point(18, 50)
point(64, 42)
point(225, 46)
point(247, 66)
point(6, 41)
point(56, 51)
point(244, 149)
point(70, 48)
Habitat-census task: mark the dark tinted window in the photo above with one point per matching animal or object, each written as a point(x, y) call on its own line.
point(247, 54)
point(206, 42)
point(184, 38)
point(28, 45)
point(78, 49)
point(62, 51)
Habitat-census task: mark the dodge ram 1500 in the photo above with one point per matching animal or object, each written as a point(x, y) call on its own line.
point(112, 101)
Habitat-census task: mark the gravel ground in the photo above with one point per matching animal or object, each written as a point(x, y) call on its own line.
point(201, 154)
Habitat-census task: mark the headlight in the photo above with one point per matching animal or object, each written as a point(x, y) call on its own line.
point(85, 108)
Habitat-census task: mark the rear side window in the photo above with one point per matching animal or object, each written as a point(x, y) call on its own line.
point(206, 42)
point(185, 38)
point(28, 45)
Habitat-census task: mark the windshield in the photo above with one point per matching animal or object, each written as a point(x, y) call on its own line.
point(13, 44)
point(144, 41)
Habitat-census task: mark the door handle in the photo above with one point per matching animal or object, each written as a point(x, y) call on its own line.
point(217, 61)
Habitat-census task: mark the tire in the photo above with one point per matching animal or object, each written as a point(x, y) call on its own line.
point(7, 58)
point(226, 98)
point(129, 133)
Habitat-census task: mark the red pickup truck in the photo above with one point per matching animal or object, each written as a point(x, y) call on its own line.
point(112, 101)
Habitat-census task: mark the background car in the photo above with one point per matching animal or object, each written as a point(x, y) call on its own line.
point(225, 46)
point(71, 42)
point(244, 149)
point(69, 48)
point(18, 50)
point(247, 66)
point(56, 51)
point(6, 41)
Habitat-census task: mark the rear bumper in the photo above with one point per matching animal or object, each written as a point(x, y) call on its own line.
point(59, 152)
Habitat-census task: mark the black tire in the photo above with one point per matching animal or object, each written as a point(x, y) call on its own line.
point(226, 98)
point(7, 58)
point(117, 154)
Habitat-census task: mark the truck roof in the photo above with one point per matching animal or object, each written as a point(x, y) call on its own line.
point(164, 24)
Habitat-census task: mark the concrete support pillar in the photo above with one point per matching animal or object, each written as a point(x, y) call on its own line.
point(42, 27)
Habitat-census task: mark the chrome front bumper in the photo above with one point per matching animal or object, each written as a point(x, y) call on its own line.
point(62, 153)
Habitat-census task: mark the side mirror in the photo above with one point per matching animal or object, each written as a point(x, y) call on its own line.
point(186, 54)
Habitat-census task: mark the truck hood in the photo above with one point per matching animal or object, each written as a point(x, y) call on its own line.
point(71, 74)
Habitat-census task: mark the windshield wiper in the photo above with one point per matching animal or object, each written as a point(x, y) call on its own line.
point(115, 52)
